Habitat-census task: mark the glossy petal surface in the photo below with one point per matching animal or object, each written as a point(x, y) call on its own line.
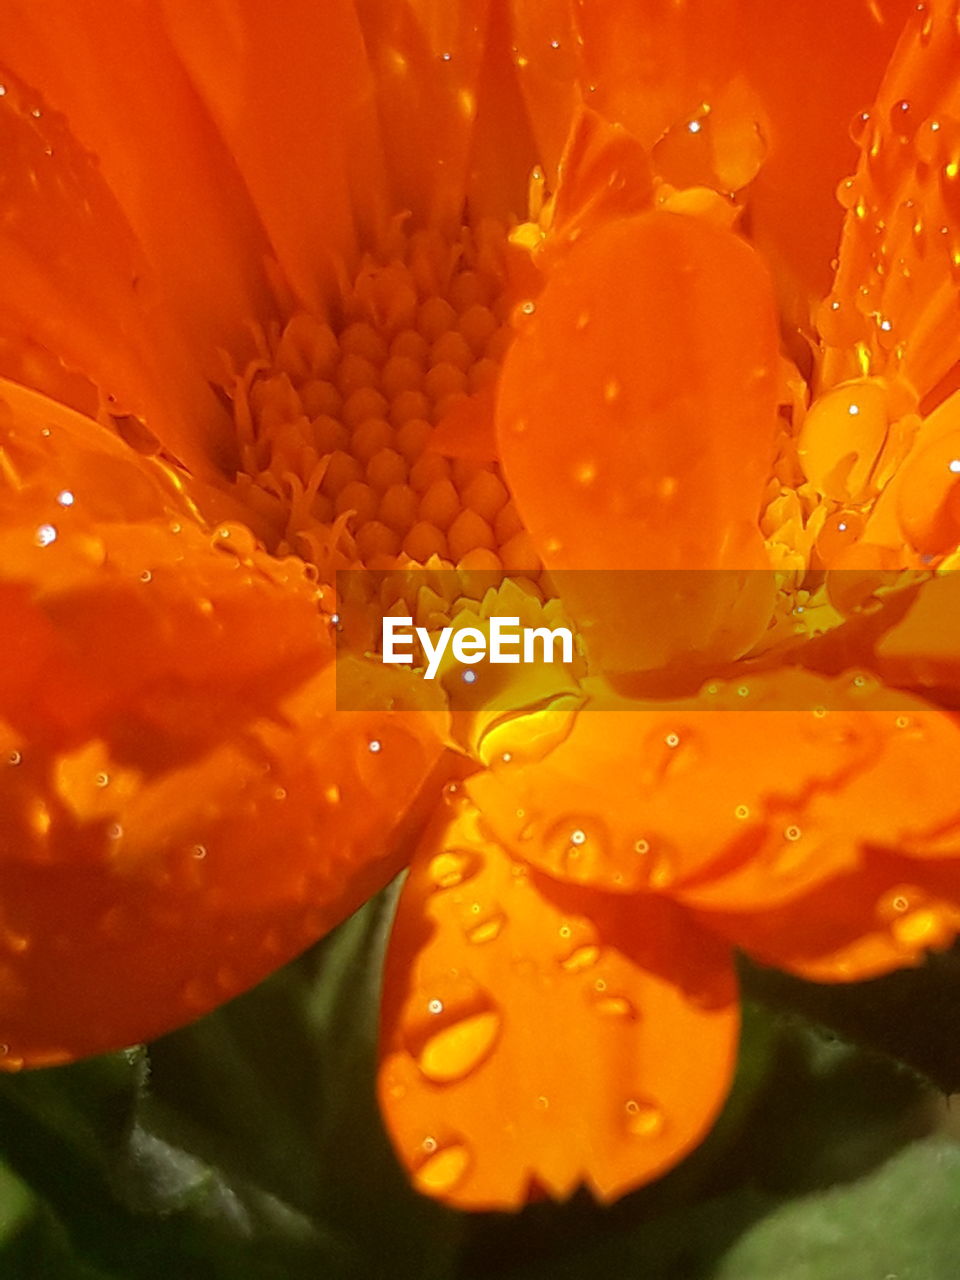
point(535, 1038)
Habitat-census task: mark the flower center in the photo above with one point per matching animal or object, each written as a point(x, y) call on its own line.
point(366, 437)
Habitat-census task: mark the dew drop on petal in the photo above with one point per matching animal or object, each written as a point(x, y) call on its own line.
point(581, 958)
point(487, 930)
point(442, 1168)
point(458, 1047)
point(644, 1119)
point(452, 867)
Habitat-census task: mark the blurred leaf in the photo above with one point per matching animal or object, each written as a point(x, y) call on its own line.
point(900, 1223)
point(910, 1015)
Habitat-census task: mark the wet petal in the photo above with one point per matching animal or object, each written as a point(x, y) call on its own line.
point(427, 62)
point(533, 1040)
point(184, 807)
point(733, 808)
point(767, 70)
point(891, 311)
point(76, 281)
point(127, 99)
point(882, 916)
point(290, 89)
point(923, 649)
point(656, 453)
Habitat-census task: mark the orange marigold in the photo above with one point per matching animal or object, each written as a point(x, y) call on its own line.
point(492, 288)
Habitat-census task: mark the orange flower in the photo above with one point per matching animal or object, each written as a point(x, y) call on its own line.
point(272, 310)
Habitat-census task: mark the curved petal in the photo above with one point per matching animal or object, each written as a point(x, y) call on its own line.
point(796, 72)
point(184, 809)
point(533, 1039)
point(159, 156)
point(427, 62)
point(656, 452)
point(893, 307)
point(74, 280)
point(886, 914)
point(289, 87)
point(736, 809)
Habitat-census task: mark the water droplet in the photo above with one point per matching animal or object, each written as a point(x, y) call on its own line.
point(65, 498)
point(903, 120)
point(102, 780)
point(14, 758)
point(442, 1168)
point(581, 958)
point(860, 128)
point(452, 867)
point(644, 1119)
point(613, 1006)
point(742, 811)
point(375, 746)
point(922, 929)
point(848, 192)
point(578, 847)
point(45, 535)
point(488, 930)
point(460, 1043)
point(199, 851)
point(667, 753)
point(146, 576)
point(793, 833)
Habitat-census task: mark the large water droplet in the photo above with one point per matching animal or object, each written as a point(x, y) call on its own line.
point(455, 1040)
point(442, 1167)
point(644, 1119)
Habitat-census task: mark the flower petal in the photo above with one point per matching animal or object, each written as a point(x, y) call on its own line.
point(903, 210)
point(882, 916)
point(652, 67)
point(656, 453)
point(736, 809)
point(169, 172)
point(184, 809)
point(535, 1039)
point(289, 87)
point(75, 280)
point(427, 61)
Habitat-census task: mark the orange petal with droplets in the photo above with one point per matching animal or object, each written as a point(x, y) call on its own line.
point(184, 809)
point(76, 281)
point(636, 418)
point(738, 809)
point(535, 1040)
point(289, 87)
point(427, 61)
point(127, 99)
point(898, 283)
point(776, 92)
point(882, 916)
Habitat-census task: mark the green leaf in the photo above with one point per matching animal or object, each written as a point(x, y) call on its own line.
point(901, 1222)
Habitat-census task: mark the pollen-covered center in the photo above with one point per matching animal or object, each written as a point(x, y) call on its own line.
point(362, 434)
